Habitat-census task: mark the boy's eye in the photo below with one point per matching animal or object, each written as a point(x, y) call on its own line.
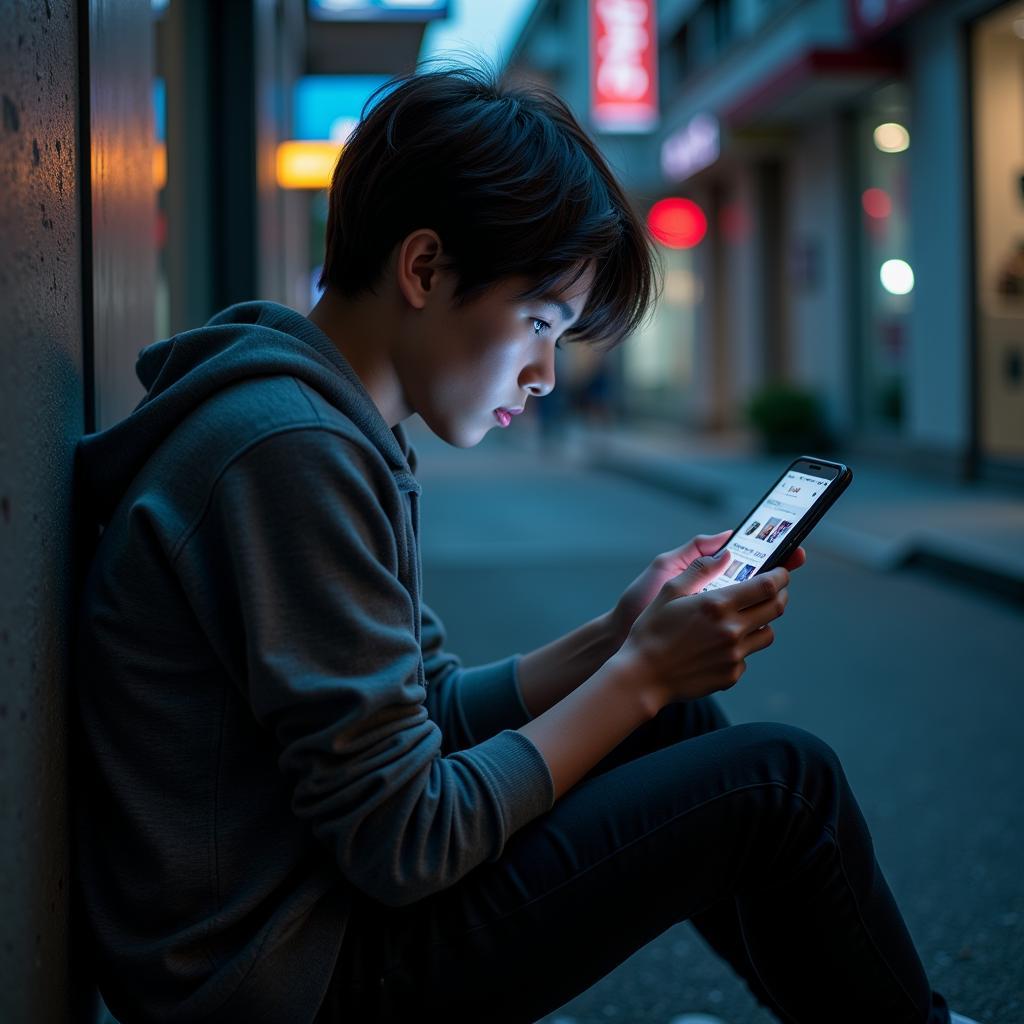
point(540, 326)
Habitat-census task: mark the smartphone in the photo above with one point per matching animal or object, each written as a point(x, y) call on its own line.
point(778, 523)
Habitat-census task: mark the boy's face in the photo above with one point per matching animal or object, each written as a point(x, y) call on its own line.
point(460, 368)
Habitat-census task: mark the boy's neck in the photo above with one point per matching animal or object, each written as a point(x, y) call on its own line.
point(363, 330)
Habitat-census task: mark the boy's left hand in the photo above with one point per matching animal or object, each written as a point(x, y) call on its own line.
point(641, 592)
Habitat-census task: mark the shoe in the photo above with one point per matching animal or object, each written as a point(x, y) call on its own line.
point(959, 1018)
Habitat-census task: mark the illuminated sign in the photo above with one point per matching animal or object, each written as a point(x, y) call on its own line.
point(325, 109)
point(304, 163)
point(328, 106)
point(378, 10)
point(623, 65)
point(691, 148)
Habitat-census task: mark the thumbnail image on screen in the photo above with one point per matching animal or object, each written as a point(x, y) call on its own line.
point(756, 540)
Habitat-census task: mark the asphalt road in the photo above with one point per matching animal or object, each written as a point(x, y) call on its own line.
point(917, 684)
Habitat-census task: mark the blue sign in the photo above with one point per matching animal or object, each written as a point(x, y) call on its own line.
point(325, 106)
point(378, 10)
point(159, 109)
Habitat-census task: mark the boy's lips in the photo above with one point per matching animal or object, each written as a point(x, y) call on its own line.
point(503, 414)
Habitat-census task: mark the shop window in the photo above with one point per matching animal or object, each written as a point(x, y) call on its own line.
point(658, 362)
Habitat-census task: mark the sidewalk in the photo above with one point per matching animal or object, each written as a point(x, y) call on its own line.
point(884, 521)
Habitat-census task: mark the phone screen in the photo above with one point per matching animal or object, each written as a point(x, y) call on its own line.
point(758, 538)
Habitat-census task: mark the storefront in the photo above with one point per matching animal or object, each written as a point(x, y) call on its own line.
point(997, 85)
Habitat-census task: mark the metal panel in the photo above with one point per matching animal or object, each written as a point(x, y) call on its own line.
point(123, 199)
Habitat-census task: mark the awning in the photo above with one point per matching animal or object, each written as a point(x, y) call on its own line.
point(816, 81)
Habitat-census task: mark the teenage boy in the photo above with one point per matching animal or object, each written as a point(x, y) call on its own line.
point(294, 803)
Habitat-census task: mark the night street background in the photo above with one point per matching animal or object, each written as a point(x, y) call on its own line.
point(913, 680)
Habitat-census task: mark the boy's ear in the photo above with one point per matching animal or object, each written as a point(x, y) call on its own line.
point(419, 266)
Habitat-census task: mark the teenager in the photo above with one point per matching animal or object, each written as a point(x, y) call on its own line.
point(294, 804)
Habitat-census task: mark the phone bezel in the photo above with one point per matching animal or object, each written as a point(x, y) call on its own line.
point(825, 501)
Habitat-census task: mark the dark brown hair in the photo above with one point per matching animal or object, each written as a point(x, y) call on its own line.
point(509, 181)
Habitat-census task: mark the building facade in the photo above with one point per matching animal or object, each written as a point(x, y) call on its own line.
point(861, 167)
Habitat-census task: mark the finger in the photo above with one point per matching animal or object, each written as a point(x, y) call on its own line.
point(795, 560)
point(702, 544)
point(702, 570)
point(709, 543)
point(757, 641)
point(762, 587)
point(756, 616)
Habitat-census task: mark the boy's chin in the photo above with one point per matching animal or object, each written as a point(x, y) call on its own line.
point(459, 435)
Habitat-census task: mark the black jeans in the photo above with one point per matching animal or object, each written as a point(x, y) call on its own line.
point(749, 831)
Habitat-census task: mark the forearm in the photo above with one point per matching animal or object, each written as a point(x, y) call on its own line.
point(549, 673)
point(593, 719)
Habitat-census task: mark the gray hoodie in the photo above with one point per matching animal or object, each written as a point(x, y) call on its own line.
point(268, 723)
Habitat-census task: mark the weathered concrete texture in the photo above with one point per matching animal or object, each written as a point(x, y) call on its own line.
point(41, 407)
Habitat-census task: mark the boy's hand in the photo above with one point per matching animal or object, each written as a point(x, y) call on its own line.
point(686, 644)
point(642, 591)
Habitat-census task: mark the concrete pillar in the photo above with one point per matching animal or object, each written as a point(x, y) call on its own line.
point(41, 418)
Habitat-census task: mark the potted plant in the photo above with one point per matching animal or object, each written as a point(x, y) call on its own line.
point(788, 418)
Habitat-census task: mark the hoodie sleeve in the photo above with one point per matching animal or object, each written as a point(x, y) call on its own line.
point(468, 704)
point(292, 570)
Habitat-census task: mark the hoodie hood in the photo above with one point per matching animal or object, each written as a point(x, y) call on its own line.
point(249, 339)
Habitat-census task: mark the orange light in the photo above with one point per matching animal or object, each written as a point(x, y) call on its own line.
point(677, 223)
point(307, 164)
point(159, 165)
point(876, 203)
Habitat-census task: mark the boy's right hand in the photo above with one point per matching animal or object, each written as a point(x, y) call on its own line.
point(687, 644)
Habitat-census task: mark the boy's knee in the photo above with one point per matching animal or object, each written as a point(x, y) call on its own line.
point(795, 757)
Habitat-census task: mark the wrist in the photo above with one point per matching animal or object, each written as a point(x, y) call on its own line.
point(628, 673)
point(614, 630)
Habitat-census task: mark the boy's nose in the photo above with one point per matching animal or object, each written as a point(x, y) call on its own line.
point(538, 378)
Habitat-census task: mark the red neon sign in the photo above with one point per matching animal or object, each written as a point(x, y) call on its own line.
point(623, 65)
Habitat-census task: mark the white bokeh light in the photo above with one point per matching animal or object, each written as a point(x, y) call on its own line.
point(892, 137)
point(897, 277)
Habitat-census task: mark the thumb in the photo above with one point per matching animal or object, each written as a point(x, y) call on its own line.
point(702, 570)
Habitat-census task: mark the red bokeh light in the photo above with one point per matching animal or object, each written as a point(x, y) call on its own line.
point(876, 203)
point(677, 223)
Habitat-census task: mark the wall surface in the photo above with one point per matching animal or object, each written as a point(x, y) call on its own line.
point(41, 417)
point(939, 370)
